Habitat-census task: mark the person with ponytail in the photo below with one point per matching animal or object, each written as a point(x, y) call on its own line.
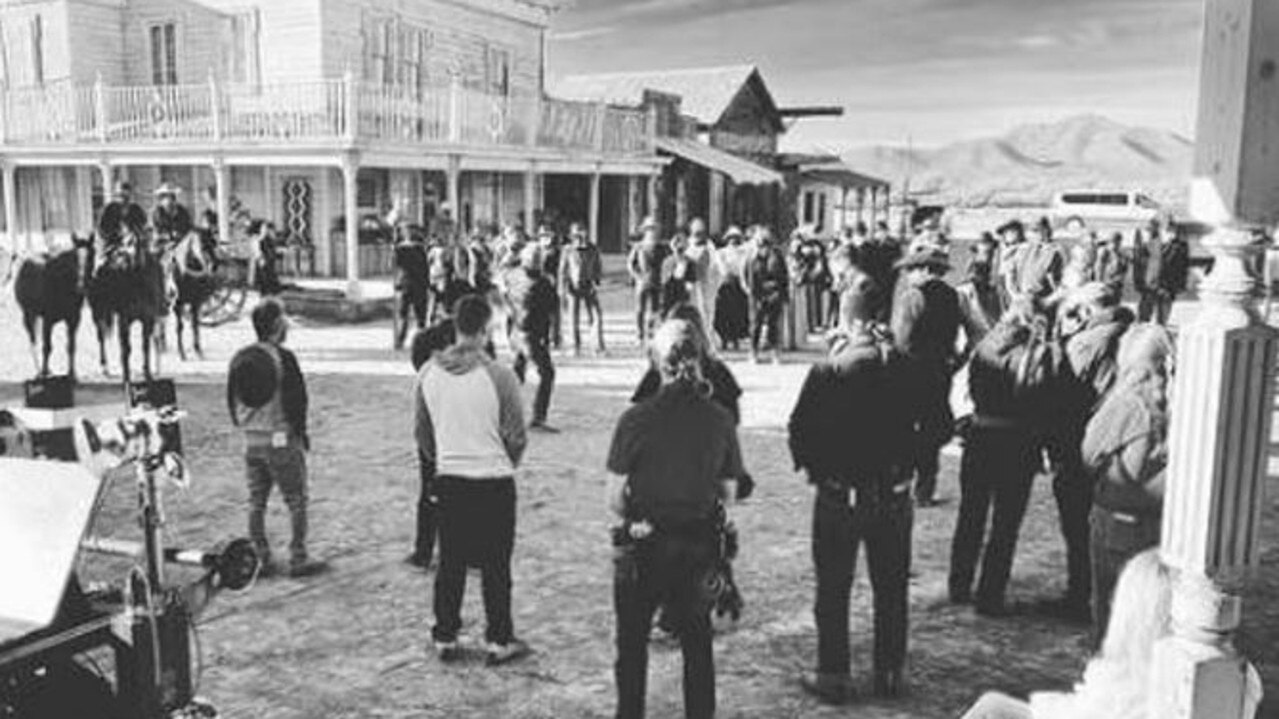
point(674, 453)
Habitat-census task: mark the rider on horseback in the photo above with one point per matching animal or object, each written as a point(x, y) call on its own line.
point(170, 220)
point(120, 218)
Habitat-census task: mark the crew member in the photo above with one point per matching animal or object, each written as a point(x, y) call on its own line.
point(767, 280)
point(925, 324)
point(851, 433)
point(470, 429)
point(266, 397)
point(674, 450)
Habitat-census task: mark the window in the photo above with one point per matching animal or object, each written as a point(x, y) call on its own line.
point(395, 52)
point(497, 71)
point(820, 222)
point(242, 49)
point(809, 207)
point(164, 54)
point(37, 50)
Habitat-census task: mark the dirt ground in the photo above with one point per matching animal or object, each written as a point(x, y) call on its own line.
point(353, 643)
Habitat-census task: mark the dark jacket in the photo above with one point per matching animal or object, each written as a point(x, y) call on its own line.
point(171, 225)
point(118, 214)
point(850, 425)
point(926, 323)
point(534, 301)
point(1125, 448)
point(1004, 395)
point(767, 276)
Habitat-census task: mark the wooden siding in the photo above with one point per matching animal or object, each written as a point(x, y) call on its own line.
point(16, 22)
point(749, 125)
point(96, 41)
point(461, 39)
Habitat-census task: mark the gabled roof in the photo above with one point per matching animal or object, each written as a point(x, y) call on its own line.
point(828, 169)
point(738, 169)
point(706, 92)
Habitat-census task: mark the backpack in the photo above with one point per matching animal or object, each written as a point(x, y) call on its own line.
point(1037, 368)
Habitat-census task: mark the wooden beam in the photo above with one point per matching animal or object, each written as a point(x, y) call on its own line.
point(812, 111)
point(1236, 167)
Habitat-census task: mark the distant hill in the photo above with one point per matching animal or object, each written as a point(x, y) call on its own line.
point(1030, 163)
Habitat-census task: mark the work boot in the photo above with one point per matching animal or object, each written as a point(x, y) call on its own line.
point(504, 653)
point(307, 568)
point(449, 651)
point(833, 689)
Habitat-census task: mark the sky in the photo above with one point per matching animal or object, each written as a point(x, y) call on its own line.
point(924, 71)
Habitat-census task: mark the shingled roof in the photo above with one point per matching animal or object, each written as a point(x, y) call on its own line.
point(706, 92)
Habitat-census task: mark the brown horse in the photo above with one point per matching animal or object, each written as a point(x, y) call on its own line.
point(128, 288)
point(51, 290)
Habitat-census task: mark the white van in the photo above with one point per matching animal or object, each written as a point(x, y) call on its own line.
point(1077, 211)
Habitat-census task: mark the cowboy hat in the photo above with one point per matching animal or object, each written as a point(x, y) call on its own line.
point(733, 231)
point(1011, 226)
point(253, 376)
point(167, 188)
point(122, 188)
point(648, 224)
point(925, 256)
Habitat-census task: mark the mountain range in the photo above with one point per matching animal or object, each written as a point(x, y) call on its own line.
point(1030, 163)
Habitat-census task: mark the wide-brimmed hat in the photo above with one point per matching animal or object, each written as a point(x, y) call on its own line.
point(167, 188)
point(545, 231)
point(733, 231)
point(253, 376)
point(925, 256)
point(1011, 226)
point(648, 223)
point(122, 188)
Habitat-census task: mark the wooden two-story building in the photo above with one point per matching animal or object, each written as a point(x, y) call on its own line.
point(308, 113)
point(721, 128)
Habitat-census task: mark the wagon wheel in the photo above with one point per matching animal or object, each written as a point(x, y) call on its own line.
point(227, 300)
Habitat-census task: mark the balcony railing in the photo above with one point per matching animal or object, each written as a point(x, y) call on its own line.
point(325, 110)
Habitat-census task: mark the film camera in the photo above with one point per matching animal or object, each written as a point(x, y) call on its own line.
point(53, 630)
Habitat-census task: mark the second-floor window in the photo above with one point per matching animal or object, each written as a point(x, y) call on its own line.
point(164, 54)
point(395, 52)
point(37, 49)
point(497, 71)
point(241, 49)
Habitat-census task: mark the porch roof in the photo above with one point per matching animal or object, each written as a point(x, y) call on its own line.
point(739, 170)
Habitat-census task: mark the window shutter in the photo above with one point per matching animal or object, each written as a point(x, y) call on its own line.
point(37, 50)
point(157, 55)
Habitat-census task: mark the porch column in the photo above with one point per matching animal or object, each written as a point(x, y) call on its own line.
point(595, 207)
point(1223, 390)
point(453, 178)
point(530, 200)
point(350, 173)
point(222, 190)
point(634, 201)
point(84, 187)
point(650, 189)
point(11, 205)
point(681, 201)
point(715, 217)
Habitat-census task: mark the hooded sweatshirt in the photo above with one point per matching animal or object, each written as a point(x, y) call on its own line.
point(467, 415)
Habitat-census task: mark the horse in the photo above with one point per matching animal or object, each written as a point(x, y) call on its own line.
point(50, 290)
point(130, 287)
point(192, 266)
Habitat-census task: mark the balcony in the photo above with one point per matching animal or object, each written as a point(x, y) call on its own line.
point(344, 113)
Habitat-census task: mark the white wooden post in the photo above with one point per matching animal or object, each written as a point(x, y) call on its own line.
point(455, 111)
point(651, 192)
point(352, 92)
point(530, 199)
point(215, 107)
point(1223, 391)
point(100, 112)
point(594, 208)
point(453, 178)
point(350, 174)
point(11, 203)
point(601, 115)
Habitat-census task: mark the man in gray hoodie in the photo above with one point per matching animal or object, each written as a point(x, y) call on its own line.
point(470, 429)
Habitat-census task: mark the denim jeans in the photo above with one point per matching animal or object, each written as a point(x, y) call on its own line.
point(665, 570)
point(285, 467)
point(995, 476)
point(883, 524)
point(476, 529)
point(1072, 488)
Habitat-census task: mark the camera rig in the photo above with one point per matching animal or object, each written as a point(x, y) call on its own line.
point(48, 671)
